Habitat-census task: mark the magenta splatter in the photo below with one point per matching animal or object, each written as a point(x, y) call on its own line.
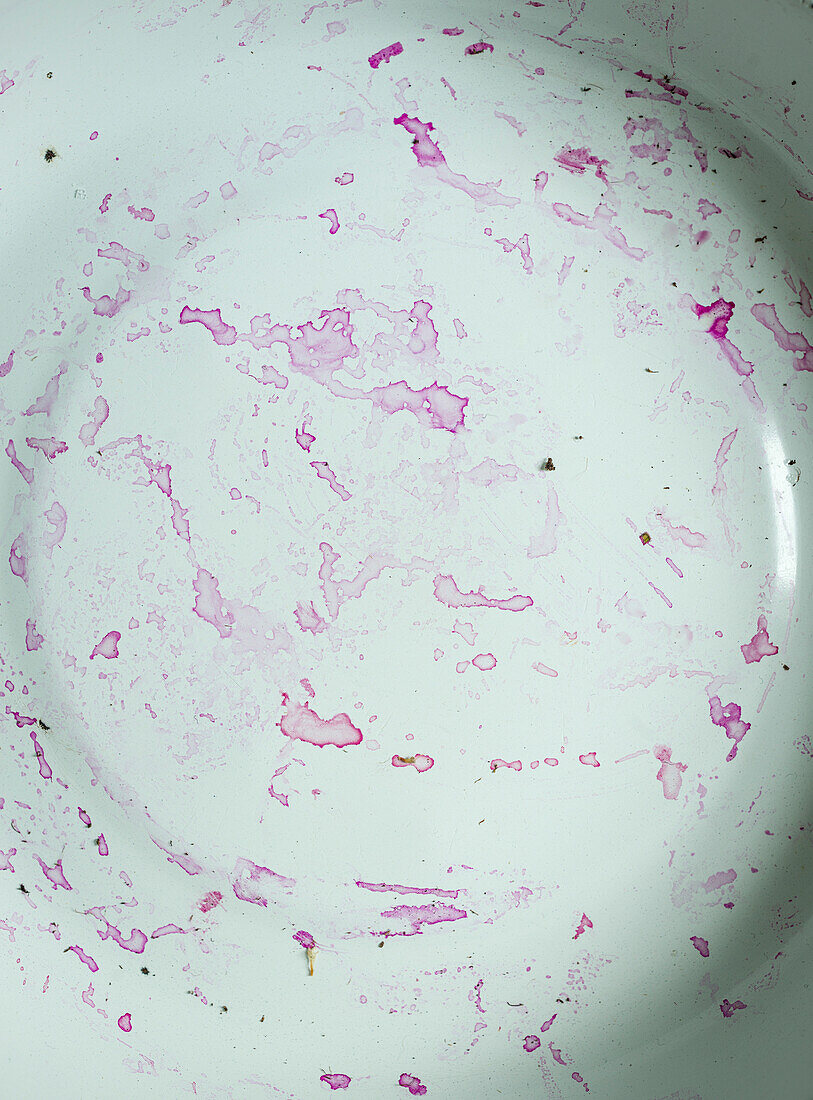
point(434, 404)
point(88, 960)
point(300, 723)
point(700, 945)
point(168, 930)
point(105, 306)
point(556, 1054)
point(448, 593)
point(55, 874)
point(211, 320)
point(102, 844)
point(707, 208)
point(210, 901)
point(26, 473)
point(303, 437)
point(49, 447)
point(258, 885)
point(787, 341)
point(694, 540)
point(84, 817)
point(104, 205)
point(331, 216)
point(108, 646)
point(577, 161)
point(760, 645)
point(336, 1080)
point(531, 1043)
point(478, 47)
point(429, 155)
point(305, 939)
point(719, 313)
point(415, 917)
point(46, 771)
point(522, 245)
point(728, 1008)
point(126, 256)
point(344, 179)
point(589, 758)
point(582, 927)
point(125, 1022)
point(729, 718)
point(513, 765)
point(419, 762)
point(144, 214)
point(385, 55)
point(227, 190)
point(33, 640)
point(656, 149)
point(547, 1024)
point(98, 415)
point(452, 30)
point(407, 1081)
point(484, 661)
point(670, 774)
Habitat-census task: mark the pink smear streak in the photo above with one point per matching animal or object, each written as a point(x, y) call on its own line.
point(57, 517)
point(325, 472)
point(55, 874)
point(531, 1043)
point(105, 306)
point(386, 54)
point(336, 1080)
point(211, 320)
point(168, 930)
point(305, 939)
point(670, 773)
point(103, 849)
point(33, 640)
point(125, 1022)
point(88, 960)
point(537, 666)
point(547, 1024)
point(309, 619)
point(210, 900)
point(584, 924)
point(760, 645)
point(589, 758)
point(331, 216)
point(45, 403)
point(300, 723)
point(98, 415)
point(416, 916)
point(513, 765)
point(787, 341)
point(729, 718)
point(5, 367)
point(23, 470)
point(478, 47)
point(251, 880)
point(719, 313)
point(601, 223)
point(394, 888)
point(135, 942)
point(701, 945)
point(46, 771)
point(50, 447)
point(691, 539)
point(182, 859)
point(577, 161)
point(419, 762)
point(108, 646)
point(429, 155)
point(448, 593)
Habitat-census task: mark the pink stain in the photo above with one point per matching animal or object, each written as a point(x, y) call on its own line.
point(144, 214)
point(548, 1023)
point(394, 888)
point(331, 216)
point(701, 945)
point(419, 762)
point(588, 758)
point(324, 471)
point(25, 472)
point(300, 723)
point(256, 884)
point(210, 901)
point(105, 306)
point(55, 874)
point(531, 1043)
point(211, 320)
point(729, 718)
point(415, 917)
point(305, 939)
point(513, 765)
point(448, 593)
point(5, 860)
point(478, 47)
point(49, 447)
point(46, 771)
point(227, 190)
point(577, 161)
point(98, 415)
point(125, 1022)
point(429, 155)
point(551, 761)
point(601, 223)
point(484, 661)
point(719, 314)
point(556, 1054)
point(135, 942)
point(309, 619)
point(168, 930)
point(88, 960)
point(719, 879)
point(336, 1080)
point(787, 341)
point(583, 925)
point(108, 646)
point(344, 179)
point(385, 55)
point(102, 843)
point(760, 645)
point(670, 773)
point(33, 640)
point(407, 1081)
point(728, 1008)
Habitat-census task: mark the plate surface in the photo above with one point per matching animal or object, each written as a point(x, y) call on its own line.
point(407, 617)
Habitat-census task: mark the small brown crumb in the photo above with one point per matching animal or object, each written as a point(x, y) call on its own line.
point(645, 537)
point(547, 465)
point(311, 953)
point(50, 154)
point(144, 970)
point(406, 759)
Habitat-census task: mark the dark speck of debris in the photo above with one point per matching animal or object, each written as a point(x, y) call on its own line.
point(262, 1019)
point(49, 75)
point(645, 537)
point(144, 970)
point(791, 462)
point(42, 725)
point(224, 1008)
point(22, 889)
point(381, 944)
point(547, 465)
point(50, 154)
point(650, 371)
point(578, 437)
point(786, 668)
